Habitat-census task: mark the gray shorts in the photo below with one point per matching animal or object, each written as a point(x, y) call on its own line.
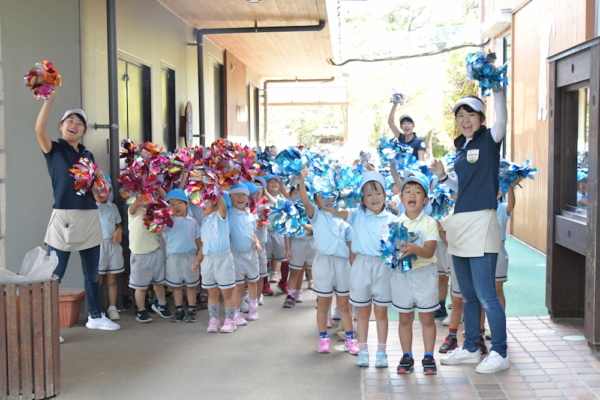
point(275, 247)
point(246, 266)
point(331, 272)
point(147, 269)
point(217, 270)
point(370, 282)
point(263, 270)
point(111, 258)
point(303, 252)
point(443, 259)
point(502, 265)
point(416, 288)
point(179, 270)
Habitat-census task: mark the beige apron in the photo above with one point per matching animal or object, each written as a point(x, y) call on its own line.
point(471, 234)
point(74, 230)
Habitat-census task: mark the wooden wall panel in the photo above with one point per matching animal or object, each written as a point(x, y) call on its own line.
point(235, 96)
point(530, 135)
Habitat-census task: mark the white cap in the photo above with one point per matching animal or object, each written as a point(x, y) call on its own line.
point(474, 102)
point(77, 111)
point(372, 176)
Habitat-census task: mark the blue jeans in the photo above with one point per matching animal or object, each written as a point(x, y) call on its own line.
point(477, 280)
point(89, 264)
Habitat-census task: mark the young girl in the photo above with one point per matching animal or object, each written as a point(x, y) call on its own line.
point(331, 267)
point(263, 288)
point(275, 243)
point(369, 275)
point(216, 265)
point(75, 221)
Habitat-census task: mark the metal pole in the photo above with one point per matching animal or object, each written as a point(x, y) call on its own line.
point(113, 95)
point(201, 111)
point(265, 110)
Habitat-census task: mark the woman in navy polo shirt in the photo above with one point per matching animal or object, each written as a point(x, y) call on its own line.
point(406, 134)
point(473, 231)
point(75, 223)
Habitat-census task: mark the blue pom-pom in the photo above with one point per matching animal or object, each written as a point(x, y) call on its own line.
point(509, 172)
point(391, 150)
point(287, 218)
point(442, 202)
point(391, 247)
point(480, 69)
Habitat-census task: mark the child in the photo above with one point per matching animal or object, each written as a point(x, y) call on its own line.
point(263, 286)
point(300, 251)
point(417, 287)
point(216, 265)
point(275, 243)
point(331, 267)
point(183, 256)
point(147, 266)
point(244, 248)
point(111, 254)
point(369, 275)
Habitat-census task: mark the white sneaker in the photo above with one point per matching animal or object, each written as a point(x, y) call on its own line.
point(461, 356)
point(60, 339)
point(336, 315)
point(244, 306)
point(311, 285)
point(446, 321)
point(273, 278)
point(101, 323)
point(493, 363)
point(298, 296)
point(261, 300)
point(113, 314)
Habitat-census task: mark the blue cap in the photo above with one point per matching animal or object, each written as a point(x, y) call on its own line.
point(239, 188)
point(372, 176)
point(582, 173)
point(252, 188)
point(419, 178)
point(178, 194)
point(227, 200)
point(262, 181)
point(271, 176)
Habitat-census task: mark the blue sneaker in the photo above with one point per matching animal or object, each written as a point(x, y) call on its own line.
point(381, 359)
point(363, 358)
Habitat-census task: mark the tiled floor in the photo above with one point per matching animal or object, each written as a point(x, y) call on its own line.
point(544, 365)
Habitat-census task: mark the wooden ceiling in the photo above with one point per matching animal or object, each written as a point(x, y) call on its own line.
point(267, 55)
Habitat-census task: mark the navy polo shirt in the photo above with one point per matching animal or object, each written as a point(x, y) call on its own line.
point(59, 160)
point(416, 143)
point(478, 178)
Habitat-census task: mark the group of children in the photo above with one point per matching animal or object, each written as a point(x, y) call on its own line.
point(223, 249)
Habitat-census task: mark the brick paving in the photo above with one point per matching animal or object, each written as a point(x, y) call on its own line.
point(544, 365)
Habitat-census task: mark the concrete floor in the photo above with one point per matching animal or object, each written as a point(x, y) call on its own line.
point(272, 358)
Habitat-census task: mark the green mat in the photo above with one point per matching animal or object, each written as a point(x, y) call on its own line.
point(525, 290)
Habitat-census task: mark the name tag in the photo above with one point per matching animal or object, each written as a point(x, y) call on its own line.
point(473, 155)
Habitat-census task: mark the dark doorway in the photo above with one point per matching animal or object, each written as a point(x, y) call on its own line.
point(168, 108)
point(219, 82)
point(134, 102)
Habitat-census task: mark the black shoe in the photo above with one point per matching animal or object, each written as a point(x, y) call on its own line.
point(191, 315)
point(142, 316)
point(163, 311)
point(179, 316)
point(482, 347)
point(429, 367)
point(440, 313)
point(406, 365)
point(450, 344)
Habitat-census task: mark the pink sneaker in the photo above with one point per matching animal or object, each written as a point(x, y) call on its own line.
point(351, 346)
point(228, 326)
point(213, 325)
point(239, 320)
point(253, 314)
point(324, 346)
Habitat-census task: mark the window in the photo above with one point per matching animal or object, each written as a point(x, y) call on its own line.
point(583, 135)
point(168, 108)
point(134, 102)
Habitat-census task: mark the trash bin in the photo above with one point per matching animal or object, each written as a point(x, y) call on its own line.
point(30, 358)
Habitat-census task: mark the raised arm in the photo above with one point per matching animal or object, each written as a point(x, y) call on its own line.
point(222, 207)
point(437, 168)
point(283, 190)
point(310, 209)
point(392, 123)
point(499, 128)
point(41, 132)
point(395, 174)
point(343, 214)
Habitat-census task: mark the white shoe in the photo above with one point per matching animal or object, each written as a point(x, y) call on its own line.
point(261, 300)
point(273, 278)
point(298, 296)
point(60, 339)
point(336, 315)
point(310, 285)
point(113, 314)
point(101, 323)
point(461, 356)
point(493, 363)
point(446, 321)
point(244, 306)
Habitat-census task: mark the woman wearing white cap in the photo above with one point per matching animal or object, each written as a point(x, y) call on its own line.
point(473, 231)
point(75, 221)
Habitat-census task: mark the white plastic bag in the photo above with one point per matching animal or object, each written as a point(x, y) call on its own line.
point(36, 266)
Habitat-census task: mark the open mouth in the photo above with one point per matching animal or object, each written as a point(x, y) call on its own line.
point(412, 203)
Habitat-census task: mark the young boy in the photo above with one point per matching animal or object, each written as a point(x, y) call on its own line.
point(417, 287)
point(256, 192)
point(244, 248)
point(183, 256)
point(111, 253)
point(147, 266)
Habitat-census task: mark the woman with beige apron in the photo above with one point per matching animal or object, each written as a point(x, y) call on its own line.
point(75, 222)
point(473, 231)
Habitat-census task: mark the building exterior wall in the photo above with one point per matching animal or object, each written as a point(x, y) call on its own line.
point(2, 169)
point(28, 191)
